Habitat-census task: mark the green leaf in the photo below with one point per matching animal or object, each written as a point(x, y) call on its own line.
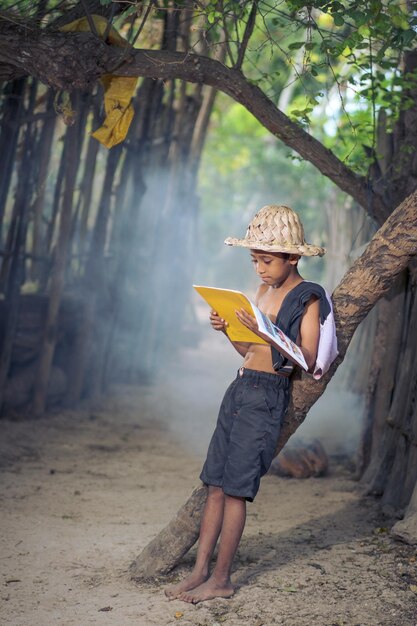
point(376, 7)
point(359, 17)
point(338, 19)
point(407, 37)
point(296, 45)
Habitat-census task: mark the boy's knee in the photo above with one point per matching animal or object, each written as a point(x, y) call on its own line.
point(215, 492)
point(235, 498)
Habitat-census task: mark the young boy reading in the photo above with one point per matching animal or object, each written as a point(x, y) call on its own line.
point(250, 417)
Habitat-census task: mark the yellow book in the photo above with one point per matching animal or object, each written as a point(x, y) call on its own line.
point(226, 301)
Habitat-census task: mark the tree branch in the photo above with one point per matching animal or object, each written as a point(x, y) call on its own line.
point(250, 25)
point(94, 7)
point(75, 60)
point(89, 18)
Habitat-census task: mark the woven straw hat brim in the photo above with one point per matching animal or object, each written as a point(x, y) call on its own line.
point(305, 249)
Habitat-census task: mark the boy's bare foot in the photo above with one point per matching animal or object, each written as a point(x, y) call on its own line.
point(191, 581)
point(207, 591)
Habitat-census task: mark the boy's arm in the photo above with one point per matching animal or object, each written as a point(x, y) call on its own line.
point(219, 324)
point(310, 332)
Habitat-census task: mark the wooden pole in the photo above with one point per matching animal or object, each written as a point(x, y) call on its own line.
point(71, 150)
point(18, 230)
point(92, 292)
point(96, 275)
point(86, 186)
point(44, 157)
point(9, 134)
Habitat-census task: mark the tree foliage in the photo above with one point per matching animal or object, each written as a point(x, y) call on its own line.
point(340, 62)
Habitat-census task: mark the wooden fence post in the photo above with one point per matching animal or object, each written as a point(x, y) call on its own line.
point(71, 150)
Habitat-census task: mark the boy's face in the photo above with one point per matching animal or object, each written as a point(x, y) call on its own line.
point(273, 267)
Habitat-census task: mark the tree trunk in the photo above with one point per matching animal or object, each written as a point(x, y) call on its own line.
point(392, 471)
point(406, 529)
point(370, 277)
point(390, 444)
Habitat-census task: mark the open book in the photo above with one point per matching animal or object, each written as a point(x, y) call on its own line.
point(226, 301)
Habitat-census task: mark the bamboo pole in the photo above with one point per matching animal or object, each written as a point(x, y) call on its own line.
point(18, 231)
point(44, 157)
point(9, 134)
point(92, 291)
point(87, 183)
point(71, 150)
point(96, 274)
point(124, 234)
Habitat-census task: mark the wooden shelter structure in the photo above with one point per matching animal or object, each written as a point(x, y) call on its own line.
point(81, 227)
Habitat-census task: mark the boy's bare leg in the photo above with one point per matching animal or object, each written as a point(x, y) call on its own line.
point(219, 583)
point(211, 524)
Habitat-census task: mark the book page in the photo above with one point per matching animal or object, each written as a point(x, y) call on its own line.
point(279, 338)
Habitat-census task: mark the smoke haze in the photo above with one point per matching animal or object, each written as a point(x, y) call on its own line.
point(187, 396)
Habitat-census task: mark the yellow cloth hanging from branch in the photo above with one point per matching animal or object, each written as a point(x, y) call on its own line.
point(118, 90)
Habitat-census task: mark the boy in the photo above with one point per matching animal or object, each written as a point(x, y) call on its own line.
point(245, 438)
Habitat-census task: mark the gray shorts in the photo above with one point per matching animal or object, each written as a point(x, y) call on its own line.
point(244, 441)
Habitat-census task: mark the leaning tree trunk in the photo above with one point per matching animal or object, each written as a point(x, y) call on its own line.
point(365, 283)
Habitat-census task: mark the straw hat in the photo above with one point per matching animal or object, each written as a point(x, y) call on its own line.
point(276, 229)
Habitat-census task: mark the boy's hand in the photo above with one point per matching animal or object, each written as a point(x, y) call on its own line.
point(247, 320)
point(217, 322)
point(250, 322)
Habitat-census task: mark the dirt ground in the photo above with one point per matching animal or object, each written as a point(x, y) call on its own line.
point(83, 491)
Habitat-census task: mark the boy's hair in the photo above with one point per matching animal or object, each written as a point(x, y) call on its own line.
point(276, 229)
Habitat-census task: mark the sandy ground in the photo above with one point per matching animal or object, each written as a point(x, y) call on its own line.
point(83, 491)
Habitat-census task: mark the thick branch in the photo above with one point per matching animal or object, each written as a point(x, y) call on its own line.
point(365, 283)
point(60, 60)
point(199, 69)
point(75, 60)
